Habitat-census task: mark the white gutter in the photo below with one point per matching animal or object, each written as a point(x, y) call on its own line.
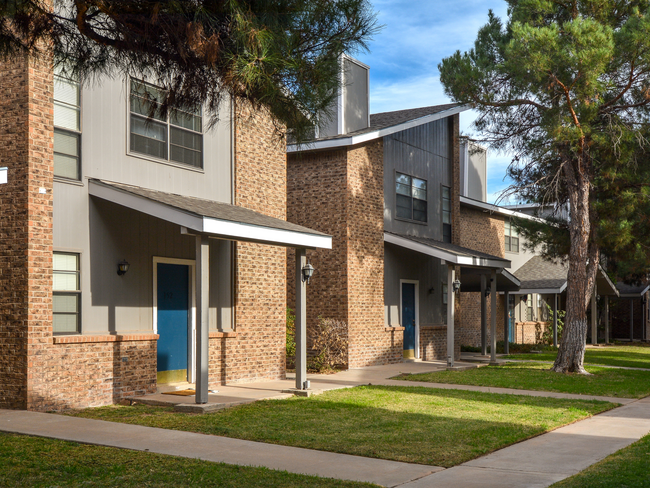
point(490, 207)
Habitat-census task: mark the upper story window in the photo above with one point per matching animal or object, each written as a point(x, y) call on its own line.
point(446, 214)
point(411, 197)
point(178, 137)
point(67, 127)
point(511, 237)
point(67, 293)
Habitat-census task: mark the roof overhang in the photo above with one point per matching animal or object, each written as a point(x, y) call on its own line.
point(445, 255)
point(604, 286)
point(490, 207)
point(192, 222)
point(369, 136)
point(470, 280)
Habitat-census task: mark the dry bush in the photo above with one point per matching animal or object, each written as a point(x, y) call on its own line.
point(330, 345)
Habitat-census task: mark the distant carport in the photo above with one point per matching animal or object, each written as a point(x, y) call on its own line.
point(476, 268)
point(204, 219)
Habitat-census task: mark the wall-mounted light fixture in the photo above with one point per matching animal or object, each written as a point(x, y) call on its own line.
point(456, 285)
point(122, 267)
point(431, 291)
point(307, 272)
point(523, 298)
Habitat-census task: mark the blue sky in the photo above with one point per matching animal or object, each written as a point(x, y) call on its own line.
point(404, 58)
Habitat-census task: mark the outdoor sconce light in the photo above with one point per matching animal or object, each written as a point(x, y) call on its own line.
point(122, 267)
point(307, 272)
point(523, 298)
point(431, 291)
point(456, 285)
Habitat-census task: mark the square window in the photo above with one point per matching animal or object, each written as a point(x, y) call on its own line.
point(411, 198)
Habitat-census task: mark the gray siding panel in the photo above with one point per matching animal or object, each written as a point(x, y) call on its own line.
point(423, 152)
point(402, 264)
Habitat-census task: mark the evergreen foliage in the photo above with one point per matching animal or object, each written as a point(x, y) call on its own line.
point(281, 55)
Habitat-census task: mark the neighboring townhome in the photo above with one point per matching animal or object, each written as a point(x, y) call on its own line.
point(136, 250)
point(387, 188)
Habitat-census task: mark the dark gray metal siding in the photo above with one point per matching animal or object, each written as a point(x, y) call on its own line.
point(424, 152)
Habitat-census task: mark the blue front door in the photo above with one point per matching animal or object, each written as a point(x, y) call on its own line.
point(173, 322)
point(408, 318)
point(511, 318)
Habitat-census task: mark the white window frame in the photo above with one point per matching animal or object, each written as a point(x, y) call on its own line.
point(77, 292)
point(509, 234)
point(76, 132)
point(149, 157)
point(415, 221)
point(191, 339)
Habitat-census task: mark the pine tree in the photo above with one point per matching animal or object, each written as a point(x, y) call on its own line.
point(282, 55)
point(565, 86)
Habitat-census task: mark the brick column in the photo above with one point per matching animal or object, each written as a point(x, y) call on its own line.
point(26, 139)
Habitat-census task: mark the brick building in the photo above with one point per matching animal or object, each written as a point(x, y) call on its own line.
point(135, 251)
point(387, 188)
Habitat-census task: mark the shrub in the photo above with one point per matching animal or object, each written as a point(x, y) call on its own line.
point(330, 345)
point(547, 335)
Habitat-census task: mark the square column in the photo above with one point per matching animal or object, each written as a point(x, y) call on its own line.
point(483, 315)
point(451, 276)
point(594, 318)
point(631, 319)
point(506, 324)
point(301, 321)
point(493, 314)
point(555, 320)
point(202, 316)
point(606, 319)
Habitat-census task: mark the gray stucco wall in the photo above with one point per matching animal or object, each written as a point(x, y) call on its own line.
point(402, 264)
point(105, 233)
point(423, 152)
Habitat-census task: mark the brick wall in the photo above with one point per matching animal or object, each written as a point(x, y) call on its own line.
point(26, 132)
point(370, 341)
point(258, 351)
point(317, 199)
point(483, 232)
point(529, 332)
point(433, 343)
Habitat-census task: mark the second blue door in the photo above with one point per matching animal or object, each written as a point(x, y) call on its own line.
point(408, 318)
point(173, 322)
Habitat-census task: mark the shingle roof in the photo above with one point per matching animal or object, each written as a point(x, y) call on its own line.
point(625, 289)
point(384, 120)
point(538, 273)
point(211, 208)
point(446, 246)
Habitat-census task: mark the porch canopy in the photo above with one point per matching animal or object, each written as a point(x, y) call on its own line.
point(206, 219)
point(634, 292)
point(544, 277)
point(480, 272)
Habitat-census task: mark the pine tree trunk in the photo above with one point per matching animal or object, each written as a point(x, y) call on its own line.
point(570, 357)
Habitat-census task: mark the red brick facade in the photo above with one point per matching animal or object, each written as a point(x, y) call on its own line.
point(258, 350)
point(483, 232)
point(340, 192)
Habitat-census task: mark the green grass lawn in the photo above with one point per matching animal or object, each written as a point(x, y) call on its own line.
point(626, 468)
point(611, 382)
point(32, 461)
point(410, 424)
point(627, 356)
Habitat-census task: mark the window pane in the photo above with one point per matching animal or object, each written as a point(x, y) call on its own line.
point(508, 243)
point(507, 227)
point(403, 207)
point(515, 244)
point(446, 205)
point(402, 178)
point(446, 233)
point(446, 217)
point(66, 117)
point(66, 166)
point(146, 91)
point(186, 120)
point(66, 303)
point(403, 189)
point(446, 193)
point(66, 143)
point(65, 262)
point(513, 232)
point(65, 322)
point(420, 216)
point(187, 139)
point(186, 156)
point(66, 281)
point(149, 129)
point(148, 137)
point(420, 184)
point(66, 91)
point(420, 194)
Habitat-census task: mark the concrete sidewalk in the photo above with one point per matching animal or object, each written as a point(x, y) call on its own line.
point(538, 462)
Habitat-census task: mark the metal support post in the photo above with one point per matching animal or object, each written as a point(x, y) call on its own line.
point(483, 316)
point(451, 295)
point(301, 321)
point(493, 322)
point(202, 317)
point(555, 320)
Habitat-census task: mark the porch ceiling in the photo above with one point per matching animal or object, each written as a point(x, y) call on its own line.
point(209, 217)
point(470, 280)
point(450, 253)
